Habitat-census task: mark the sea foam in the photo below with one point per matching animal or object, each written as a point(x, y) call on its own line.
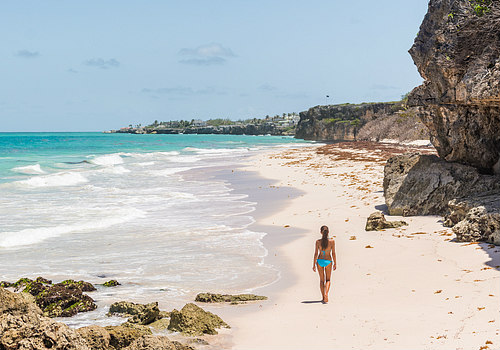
point(54, 180)
point(35, 235)
point(107, 160)
point(29, 169)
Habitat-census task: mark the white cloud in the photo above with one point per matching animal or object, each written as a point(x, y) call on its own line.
point(27, 54)
point(102, 63)
point(206, 55)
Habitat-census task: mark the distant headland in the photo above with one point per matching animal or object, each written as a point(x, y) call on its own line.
point(284, 124)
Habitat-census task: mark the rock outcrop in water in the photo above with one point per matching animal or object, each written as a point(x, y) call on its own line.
point(457, 52)
point(138, 313)
point(227, 298)
point(23, 327)
point(63, 299)
point(192, 320)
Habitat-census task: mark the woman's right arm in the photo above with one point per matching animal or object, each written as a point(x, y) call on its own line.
point(315, 256)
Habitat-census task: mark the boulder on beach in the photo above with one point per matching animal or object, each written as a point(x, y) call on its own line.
point(227, 298)
point(476, 219)
point(192, 320)
point(138, 313)
point(376, 221)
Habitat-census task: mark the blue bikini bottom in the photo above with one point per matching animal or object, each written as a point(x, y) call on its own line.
point(323, 262)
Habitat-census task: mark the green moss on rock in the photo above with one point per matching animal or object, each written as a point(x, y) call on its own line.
point(111, 283)
point(192, 320)
point(138, 313)
point(82, 285)
point(227, 298)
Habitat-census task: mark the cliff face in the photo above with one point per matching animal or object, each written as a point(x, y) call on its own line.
point(457, 52)
point(341, 122)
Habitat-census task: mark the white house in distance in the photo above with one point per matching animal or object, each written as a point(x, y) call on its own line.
point(199, 123)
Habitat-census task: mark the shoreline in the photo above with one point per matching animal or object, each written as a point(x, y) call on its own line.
point(398, 288)
point(411, 291)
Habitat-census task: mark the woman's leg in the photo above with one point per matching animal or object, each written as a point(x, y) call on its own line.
point(321, 272)
point(328, 275)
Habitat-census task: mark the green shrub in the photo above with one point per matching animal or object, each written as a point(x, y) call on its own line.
point(481, 7)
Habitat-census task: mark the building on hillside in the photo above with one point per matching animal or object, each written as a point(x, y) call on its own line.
point(197, 123)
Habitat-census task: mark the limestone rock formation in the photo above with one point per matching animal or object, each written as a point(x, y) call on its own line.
point(341, 122)
point(97, 337)
point(22, 326)
point(476, 219)
point(376, 222)
point(139, 313)
point(149, 342)
point(457, 52)
point(227, 298)
point(122, 336)
point(417, 184)
point(194, 321)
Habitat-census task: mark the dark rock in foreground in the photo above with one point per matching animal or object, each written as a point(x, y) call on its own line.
point(63, 299)
point(376, 221)
point(194, 321)
point(457, 52)
point(139, 313)
point(424, 184)
point(227, 298)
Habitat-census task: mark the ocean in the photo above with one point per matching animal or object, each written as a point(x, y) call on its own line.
point(145, 210)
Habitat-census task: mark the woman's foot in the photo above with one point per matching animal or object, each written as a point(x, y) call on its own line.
point(325, 299)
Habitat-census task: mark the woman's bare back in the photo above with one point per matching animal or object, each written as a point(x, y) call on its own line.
point(325, 253)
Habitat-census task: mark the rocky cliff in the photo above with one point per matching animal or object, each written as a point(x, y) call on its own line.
point(360, 122)
point(457, 52)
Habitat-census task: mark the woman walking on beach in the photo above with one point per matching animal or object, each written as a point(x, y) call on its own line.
point(326, 261)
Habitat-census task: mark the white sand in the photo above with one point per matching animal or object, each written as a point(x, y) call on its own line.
point(415, 289)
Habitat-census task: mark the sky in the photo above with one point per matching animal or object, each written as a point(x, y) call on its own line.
point(100, 65)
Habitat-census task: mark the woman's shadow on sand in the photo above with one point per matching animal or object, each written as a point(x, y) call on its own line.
point(312, 301)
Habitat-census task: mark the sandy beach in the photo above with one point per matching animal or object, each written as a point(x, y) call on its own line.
point(408, 288)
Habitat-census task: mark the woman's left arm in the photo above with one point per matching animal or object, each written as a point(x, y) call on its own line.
point(334, 256)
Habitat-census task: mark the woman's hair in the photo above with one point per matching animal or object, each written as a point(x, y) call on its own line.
point(324, 239)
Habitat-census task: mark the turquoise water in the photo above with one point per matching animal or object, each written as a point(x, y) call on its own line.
point(146, 210)
point(49, 150)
